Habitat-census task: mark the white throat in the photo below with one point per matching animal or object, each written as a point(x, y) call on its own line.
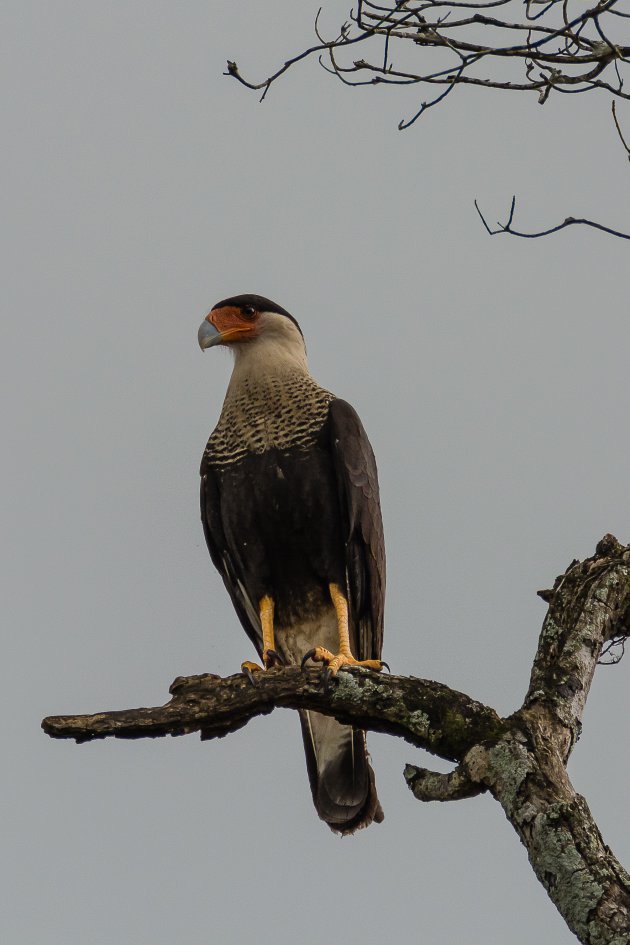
point(272, 401)
point(276, 352)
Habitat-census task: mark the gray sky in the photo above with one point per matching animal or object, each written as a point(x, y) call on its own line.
point(491, 374)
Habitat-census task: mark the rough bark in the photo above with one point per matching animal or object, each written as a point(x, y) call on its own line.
point(521, 760)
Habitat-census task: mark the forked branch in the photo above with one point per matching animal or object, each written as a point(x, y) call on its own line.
point(536, 47)
point(539, 46)
point(507, 227)
point(521, 760)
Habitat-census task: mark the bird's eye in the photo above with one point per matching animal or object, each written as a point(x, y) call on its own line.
point(248, 311)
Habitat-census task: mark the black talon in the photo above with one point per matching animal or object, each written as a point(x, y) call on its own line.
point(306, 657)
point(246, 671)
point(325, 678)
point(274, 658)
point(385, 665)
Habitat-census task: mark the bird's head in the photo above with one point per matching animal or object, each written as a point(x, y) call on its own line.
point(254, 328)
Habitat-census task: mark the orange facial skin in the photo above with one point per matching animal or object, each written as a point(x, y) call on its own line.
point(233, 324)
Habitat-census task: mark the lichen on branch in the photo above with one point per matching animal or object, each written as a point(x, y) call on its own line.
point(520, 760)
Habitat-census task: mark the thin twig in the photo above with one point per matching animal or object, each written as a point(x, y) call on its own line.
point(569, 221)
point(577, 64)
point(623, 141)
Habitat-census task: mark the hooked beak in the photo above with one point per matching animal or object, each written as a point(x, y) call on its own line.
point(208, 335)
point(223, 326)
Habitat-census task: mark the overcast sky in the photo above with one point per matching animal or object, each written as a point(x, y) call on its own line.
point(491, 374)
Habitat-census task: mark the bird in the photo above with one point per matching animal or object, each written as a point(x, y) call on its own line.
point(291, 515)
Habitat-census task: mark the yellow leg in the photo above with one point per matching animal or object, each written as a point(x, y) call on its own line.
point(341, 609)
point(270, 657)
point(265, 608)
point(344, 657)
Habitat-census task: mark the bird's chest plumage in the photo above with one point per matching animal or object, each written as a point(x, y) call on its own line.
point(277, 487)
point(284, 412)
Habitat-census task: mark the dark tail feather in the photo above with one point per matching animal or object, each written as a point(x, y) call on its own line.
point(342, 780)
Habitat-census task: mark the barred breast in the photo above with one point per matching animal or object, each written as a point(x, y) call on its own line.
point(274, 411)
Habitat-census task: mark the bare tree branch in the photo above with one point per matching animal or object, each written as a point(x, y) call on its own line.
point(413, 709)
point(623, 140)
point(555, 54)
point(569, 221)
point(446, 43)
point(521, 760)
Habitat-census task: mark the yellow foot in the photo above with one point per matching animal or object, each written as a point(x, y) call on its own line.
point(320, 654)
point(271, 658)
point(248, 669)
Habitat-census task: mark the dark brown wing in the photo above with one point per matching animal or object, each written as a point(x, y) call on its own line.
point(224, 562)
point(357, 481)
